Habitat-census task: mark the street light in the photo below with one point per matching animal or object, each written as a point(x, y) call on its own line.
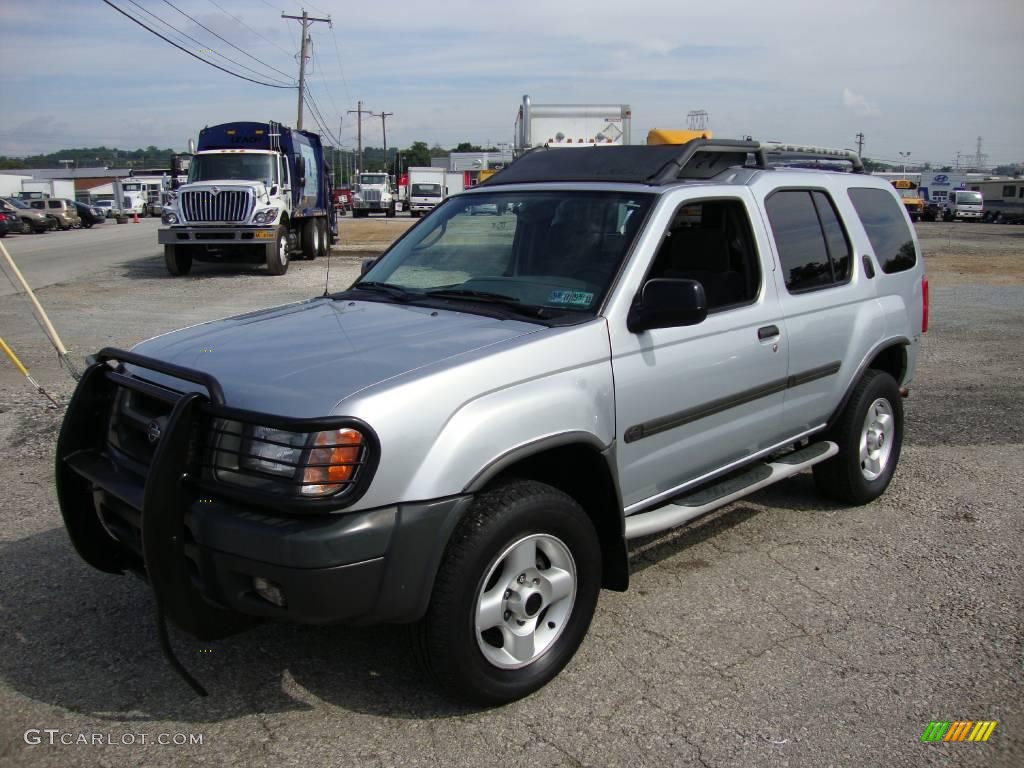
point(905, 157)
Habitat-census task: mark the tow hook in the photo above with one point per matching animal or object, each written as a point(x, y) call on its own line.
point(904, 392)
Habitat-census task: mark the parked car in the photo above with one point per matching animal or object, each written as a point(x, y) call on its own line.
point(107, 206)
point(6, 225)
point(90, 214)
point(60, 210)
point(31, 220)
point(469, 435)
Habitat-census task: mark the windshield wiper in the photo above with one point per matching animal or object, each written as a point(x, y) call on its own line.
point(390, 289)
point(488, 297)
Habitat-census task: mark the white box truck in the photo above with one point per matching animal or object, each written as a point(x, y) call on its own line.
point(426, 189)
point(571, 125)
point(454, 182)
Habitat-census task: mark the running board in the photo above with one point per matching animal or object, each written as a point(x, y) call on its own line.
point(683, 509)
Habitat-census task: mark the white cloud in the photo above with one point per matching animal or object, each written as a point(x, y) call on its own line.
point(858, 104)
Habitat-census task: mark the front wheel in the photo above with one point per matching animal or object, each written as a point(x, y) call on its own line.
point(514, 595)
point(277, 254)
point(177, 260)
point(869, 434)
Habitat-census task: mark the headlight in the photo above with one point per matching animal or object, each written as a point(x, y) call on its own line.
point(277, 461)
point(169, 218)
point(268, 216)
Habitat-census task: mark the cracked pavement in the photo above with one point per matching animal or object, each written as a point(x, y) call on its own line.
point(782, 631)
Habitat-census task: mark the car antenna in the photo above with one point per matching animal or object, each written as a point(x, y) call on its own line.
point(327, 279)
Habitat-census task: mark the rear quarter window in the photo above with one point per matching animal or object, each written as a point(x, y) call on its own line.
point(886, 227)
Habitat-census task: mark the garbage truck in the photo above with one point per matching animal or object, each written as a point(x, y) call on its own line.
point(256, 192)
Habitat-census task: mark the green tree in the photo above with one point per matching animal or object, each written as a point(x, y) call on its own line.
point(418, 154)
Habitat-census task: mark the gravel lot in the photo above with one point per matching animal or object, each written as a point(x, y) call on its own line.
point(783, 630)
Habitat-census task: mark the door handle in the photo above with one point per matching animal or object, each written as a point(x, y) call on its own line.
point(767, 332)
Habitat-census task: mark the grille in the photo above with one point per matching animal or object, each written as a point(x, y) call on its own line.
point(371, 196)
point(130, 422)
point(232, 205)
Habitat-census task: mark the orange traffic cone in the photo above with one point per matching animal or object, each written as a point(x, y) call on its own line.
point(135, 219)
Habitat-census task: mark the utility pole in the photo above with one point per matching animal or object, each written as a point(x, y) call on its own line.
point(860, 143)
point(359, 130)
point(384, 130)
point(306, 20)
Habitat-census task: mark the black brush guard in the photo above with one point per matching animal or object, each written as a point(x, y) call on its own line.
point(168, 490)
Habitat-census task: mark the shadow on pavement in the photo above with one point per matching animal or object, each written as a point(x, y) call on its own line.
point(76, 638)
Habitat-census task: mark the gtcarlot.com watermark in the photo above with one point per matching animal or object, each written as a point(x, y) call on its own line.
point(55, 736)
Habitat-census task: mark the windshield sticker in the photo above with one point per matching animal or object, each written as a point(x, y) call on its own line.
point(575, 298)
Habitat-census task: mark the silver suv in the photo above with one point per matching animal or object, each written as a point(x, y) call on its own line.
point(468, 436)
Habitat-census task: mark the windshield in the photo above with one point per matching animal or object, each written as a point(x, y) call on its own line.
point(15, 202)
point(555, 250)
point(909, 193)
point(426, 190)
point(243, 167)
point(969, 198)
point(378, 179)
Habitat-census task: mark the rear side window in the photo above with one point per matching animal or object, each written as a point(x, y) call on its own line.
point(886, 225)
point(56, 204)
point(812, 244)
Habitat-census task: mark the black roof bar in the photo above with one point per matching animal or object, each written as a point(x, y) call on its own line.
point(655, 164)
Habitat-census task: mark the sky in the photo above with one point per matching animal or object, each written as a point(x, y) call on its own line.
point(927, 78)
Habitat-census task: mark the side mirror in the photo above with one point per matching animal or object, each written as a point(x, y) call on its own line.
point(366, 266)
point(273, 190)
point(668, 303)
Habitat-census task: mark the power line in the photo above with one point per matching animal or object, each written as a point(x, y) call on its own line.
point(202, 45)
point(320, 71)
point(261, 37)
point(341, 69)
point(246, 53)
point(190, 53)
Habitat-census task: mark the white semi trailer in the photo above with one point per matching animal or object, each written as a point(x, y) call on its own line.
point(571, 125)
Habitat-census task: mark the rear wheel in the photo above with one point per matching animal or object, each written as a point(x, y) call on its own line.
point(277, 254)
point(177, 260)
point(869, 434)
point(26, 227)
point(514, 595)
point(311, 237)
point(325, 237)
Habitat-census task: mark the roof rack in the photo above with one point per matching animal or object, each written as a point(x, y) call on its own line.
point(807, 152)
point(654, 164)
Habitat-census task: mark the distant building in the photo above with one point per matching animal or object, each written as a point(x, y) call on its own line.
point(470, 164)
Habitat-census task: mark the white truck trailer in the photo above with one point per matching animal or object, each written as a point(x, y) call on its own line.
point(571, 125)
point(46, 188)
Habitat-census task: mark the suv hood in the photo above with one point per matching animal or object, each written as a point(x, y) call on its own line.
point(302, 359)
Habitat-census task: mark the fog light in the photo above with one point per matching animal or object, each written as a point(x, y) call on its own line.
point(268, 590)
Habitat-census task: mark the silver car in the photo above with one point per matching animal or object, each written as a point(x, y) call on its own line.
point(468, 436)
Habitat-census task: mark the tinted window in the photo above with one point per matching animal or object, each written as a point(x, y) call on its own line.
point(835, 237)
point(887, 228)
point(56, 204)
point(710, 241)
point(799, 239)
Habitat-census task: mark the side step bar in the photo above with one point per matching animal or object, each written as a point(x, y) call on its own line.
point(683, 509)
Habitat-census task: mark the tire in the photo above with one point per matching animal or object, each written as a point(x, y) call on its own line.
point(869, 434)
point(277, 254)
point(560, 559)
point(26, 227)
point(177, 260)
point(325, 237)
point(311, 237)
point(390, 213)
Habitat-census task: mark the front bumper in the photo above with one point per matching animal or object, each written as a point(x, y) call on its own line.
point(201, 551)
point(227, 235)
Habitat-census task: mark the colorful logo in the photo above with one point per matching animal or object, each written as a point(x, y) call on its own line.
point(958, 730)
